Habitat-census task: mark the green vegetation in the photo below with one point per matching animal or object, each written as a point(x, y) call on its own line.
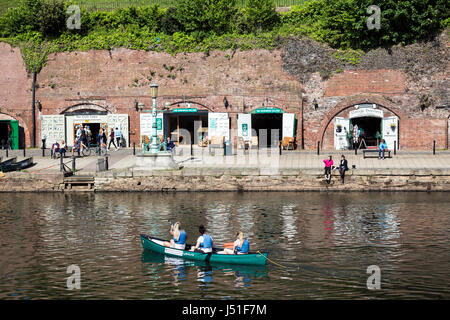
point(39, 26)
point(109, 5)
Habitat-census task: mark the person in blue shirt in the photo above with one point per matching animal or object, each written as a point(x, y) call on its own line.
point(240, 246)
point(382, 148)
point(179, 237)
point(204, 242)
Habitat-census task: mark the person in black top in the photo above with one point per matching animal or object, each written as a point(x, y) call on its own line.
point(170, 145)
point(343, 167)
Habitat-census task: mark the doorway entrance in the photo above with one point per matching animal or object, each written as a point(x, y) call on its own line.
point(11, 135)
point(182, 124)
point(264, 123)
point(94, 128)
point(370, 131)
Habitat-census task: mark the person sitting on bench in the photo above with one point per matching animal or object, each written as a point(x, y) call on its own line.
point(62, 149)
point(55, 149)
point(382, 149)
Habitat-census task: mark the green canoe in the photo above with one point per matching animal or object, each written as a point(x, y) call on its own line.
point(156, 245)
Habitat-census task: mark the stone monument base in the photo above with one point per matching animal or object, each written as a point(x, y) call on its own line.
point(160, 161)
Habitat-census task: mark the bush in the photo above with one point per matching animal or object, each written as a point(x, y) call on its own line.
point(45, 16)
point(204, 16)
point(15, 21)
point(169, 22)
point(260, 15)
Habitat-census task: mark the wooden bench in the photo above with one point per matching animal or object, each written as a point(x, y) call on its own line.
point(217, 142)
point(287, 143)
point(387, 153)
point(254, 143)
point(79, 181)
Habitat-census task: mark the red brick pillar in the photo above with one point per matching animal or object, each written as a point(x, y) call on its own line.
point(233, 129)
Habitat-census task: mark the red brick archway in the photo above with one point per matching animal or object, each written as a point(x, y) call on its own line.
point(9, 116)
point(351, 101)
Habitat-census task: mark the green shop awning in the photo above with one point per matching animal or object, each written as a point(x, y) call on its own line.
point(185, 110)
point(267, 110)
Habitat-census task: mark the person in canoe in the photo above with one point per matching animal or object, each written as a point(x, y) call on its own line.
point(240, 246)
point(204, 242)
point(179, 237)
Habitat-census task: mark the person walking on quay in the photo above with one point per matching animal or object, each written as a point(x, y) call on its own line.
point(328, 163)
point(88, 135)
point(118, 136)
point(343, 167)
point(9, 141)
point(111, 140)
point(204, 242)
point(179, 237)
point(101, 139)
point(381, 149)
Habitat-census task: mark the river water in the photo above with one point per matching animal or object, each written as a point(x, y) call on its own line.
point(321, 245)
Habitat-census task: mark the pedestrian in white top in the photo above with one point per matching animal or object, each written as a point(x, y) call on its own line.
point(118, 136)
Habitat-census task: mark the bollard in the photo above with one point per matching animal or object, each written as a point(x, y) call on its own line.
point(106, 163)
point(134, 148)
point(434, 147)
point(24, 152)
point(7, 152)
point(395, 148)
point(318, 147)
point(73, 164)
point(192, 149)
point(356, 149)
point(281, 148)
point(61, 164)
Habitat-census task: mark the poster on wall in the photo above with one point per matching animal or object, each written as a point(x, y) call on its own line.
point(52, 129)
point(390, 131)
point(288, 125)
point(120, 121)
point(244, 122)
point(147, 124)
point(219, 125)
point(341, 129)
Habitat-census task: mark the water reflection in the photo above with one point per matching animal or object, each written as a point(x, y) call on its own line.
point(204, 271)
point(330, 238)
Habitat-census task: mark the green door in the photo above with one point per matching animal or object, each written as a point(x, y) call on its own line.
point(14, 134)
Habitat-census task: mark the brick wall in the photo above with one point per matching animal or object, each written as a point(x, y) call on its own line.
point(418, 134)
point(349, 83)
point(115, 79)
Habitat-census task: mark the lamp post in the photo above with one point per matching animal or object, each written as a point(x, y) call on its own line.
point(154, 147)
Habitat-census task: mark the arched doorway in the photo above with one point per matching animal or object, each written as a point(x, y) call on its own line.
point(363, 126)
point(63, 126)
point(12, 132)
point(390, 125)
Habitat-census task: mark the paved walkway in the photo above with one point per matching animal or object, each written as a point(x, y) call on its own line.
point(123, 159)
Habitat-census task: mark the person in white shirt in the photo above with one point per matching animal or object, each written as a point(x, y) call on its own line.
point(118, 136)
